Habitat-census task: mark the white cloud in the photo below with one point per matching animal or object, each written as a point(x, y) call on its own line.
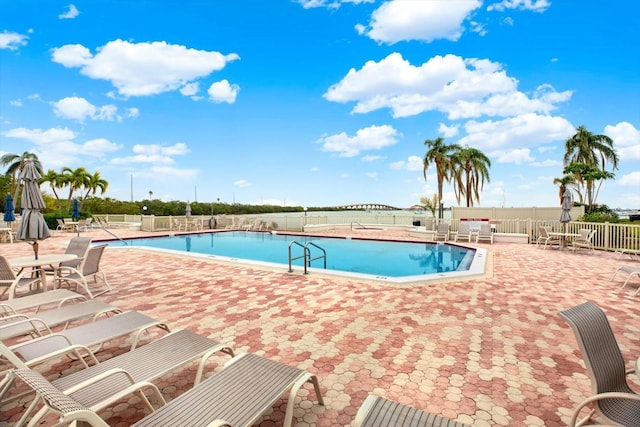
point(11, 40)
point(222, 91)
point(517, 156)
point(242, 183)
point(458, 87)
point(631, 179)
point(533, 5)
point(70, 13)
point(76, 108)
point(153, 153)
point(525, 131)
point(370, 138)
point(190, 89)
point(626, 139)
point(448, 131)
point(371, 175)
point(330, 4)
point(370, 158)
point(399, 20)
point(413, 163)
point(40, 137)
point(315, 169)
point(141, 69)
point(58, 147)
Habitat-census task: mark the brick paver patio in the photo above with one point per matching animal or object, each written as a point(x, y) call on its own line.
point(485, 351)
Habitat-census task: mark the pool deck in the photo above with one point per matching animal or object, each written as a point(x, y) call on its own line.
point(486, 351)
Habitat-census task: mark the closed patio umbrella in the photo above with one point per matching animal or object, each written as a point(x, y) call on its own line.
point(567, 204)
point(188, 210)
point(9, 216)
point(75, 213)
point(32, 227)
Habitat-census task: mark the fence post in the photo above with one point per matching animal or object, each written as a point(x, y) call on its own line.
point(606, 236)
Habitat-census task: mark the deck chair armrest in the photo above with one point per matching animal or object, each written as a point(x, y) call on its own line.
point(70, 348)
point(219, 423)
point(11, 317)
point(44, 338)
point(19, 319)
point(100, 377)
point(591, 399)
point(67, 269)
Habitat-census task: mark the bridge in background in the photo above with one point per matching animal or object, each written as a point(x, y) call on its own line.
point(368, 207)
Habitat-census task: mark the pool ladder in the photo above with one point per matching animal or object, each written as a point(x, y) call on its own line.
point(306, 255)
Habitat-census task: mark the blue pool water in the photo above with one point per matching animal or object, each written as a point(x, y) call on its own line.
point(375, 258)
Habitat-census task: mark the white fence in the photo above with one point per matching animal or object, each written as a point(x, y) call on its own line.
point(608, 236)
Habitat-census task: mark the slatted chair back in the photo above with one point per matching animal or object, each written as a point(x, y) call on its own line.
point(64, 406)
point(604, 362)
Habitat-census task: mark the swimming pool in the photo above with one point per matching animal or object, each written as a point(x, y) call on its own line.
point(382, 260)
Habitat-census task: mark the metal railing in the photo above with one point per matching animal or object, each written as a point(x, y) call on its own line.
point(306, 255)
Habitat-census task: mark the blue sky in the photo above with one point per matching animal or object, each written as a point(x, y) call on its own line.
point(318, 102)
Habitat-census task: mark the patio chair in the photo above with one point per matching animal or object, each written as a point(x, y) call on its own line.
point(377, 411)
point(611, 397)
point(442, 231)
point(485, 233)
point(238, 395)
point(544, 237)
point(631, 270)
point(14, 324)
point(89, 268)
point(12, 282)
point(585, 240)
point(78, 246)
point(464, 232)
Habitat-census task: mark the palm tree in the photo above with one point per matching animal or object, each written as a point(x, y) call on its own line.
point(568, 181)
point(440, 154)
point(92, 185)
point(471, 169)
point(76, 180)
point(592, 150)
point(56, 181)
point(16, 165)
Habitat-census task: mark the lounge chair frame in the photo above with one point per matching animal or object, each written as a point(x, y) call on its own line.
point(631, 270)
point(237, 396)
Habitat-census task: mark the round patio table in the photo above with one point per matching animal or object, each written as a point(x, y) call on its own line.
point(54, 260)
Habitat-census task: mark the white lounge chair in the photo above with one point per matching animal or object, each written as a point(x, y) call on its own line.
point(87, 335)
point(485, 233)
point(464, 232)
point(442, 231)
point(237, 396)
point(14, 324)
point(632, 271)
point(143, 364)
